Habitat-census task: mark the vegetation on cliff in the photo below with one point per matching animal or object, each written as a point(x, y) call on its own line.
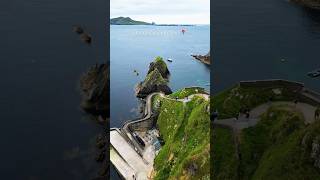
point(230, 102)
point(224, 161)
point(185, 129)
point(182, 93)
point(280, 146)
point(126, 21)
point(156, 79)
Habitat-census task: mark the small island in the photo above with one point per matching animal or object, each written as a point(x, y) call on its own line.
point(156, 81)
point(127, 21)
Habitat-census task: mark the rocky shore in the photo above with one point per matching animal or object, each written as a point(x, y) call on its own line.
point(156, 80)
point(95, 91)
point(203, 58)
point(102, 156)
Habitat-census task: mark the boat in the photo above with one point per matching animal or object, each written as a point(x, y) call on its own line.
point(314, 73)
point(169, 60)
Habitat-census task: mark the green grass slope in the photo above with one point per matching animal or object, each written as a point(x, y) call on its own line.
point(182, 93)
point(230, 102)
point(185, 129)
point(224, 161)
point(280, 147)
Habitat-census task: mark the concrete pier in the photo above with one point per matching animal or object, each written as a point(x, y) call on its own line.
point(125, 158)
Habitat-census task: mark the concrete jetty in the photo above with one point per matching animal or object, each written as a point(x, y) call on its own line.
point(125, 158)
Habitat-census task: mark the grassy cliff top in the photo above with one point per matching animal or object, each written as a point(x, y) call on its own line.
point(182, 93)
point(231, 101)
point(154, 77)
point(280, 147)
point(185, 129)
point(159, 64)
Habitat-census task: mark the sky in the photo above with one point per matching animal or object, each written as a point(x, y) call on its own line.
point(163, 11)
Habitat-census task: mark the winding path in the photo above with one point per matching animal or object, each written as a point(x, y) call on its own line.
point(132, 142)
point(238, 124)
point(148, 114)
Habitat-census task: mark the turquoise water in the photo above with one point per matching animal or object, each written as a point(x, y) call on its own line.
point(134, 47)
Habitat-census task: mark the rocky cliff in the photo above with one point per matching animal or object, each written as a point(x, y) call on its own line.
point(95, 90)
point(156, 79)
point(203, 58)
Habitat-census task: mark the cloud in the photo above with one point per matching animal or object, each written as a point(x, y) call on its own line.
point(163, 11)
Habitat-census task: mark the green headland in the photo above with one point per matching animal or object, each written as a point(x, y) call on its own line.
point(185, 129)
point(279, 139)
point(126, 21)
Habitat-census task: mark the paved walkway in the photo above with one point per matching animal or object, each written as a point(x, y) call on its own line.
point(242, 123)
point(148, 114)
point(188, 98)
point(122, 166)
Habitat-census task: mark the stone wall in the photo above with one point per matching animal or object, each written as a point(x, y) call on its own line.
point(295, 86)
point(301, 93)
point(143, 125)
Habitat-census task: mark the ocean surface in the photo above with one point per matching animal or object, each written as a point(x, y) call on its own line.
point(252, 36)
point(134, 47)
point(44, 134)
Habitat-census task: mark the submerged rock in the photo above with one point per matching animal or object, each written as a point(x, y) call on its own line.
point(156, 80)
point(95, 90)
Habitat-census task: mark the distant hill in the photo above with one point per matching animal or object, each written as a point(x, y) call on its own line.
point(126, 21)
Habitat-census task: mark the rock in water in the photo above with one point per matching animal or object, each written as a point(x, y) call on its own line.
point(86, 38)
point(204, 59)
point(161, 66)
point(156, 80)
point(95, 90)
point(78, 29)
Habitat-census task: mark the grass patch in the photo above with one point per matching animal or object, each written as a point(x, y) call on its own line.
point(154, 78)
point(230, 102)
point(224, 162)
point(182, 93)
point(273, 149)
point(185, 128)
